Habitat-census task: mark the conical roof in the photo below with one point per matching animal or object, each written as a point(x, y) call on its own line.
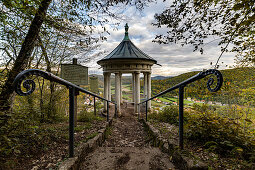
point(127, 50)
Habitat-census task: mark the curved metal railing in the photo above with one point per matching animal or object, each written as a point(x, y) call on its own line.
point(181, 86)
point(30, 85)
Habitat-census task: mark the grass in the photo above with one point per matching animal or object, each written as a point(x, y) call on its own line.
point(126, 86)
point(172, 99)
point(85, 116)
point(90, 136)
point(126, 96)
point(108, 132)
point(80, 128)
point(156, 104)
point(163, 99)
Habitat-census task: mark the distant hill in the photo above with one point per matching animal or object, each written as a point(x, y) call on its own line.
point(160, 77)
point(128, 79)
point(234, 82)
point(125, 80)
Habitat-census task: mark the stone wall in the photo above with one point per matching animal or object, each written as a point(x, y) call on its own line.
point(177, 156)
point(84, 149)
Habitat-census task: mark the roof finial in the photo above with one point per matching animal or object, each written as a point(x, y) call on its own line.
point(126, 32)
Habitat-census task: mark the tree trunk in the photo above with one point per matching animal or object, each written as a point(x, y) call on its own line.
point(6, 96)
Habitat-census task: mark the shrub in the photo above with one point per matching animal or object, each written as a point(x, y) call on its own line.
point(218, 134)
point(202, 108)
point(169, 114)
point(219, 130)
point(86, 116)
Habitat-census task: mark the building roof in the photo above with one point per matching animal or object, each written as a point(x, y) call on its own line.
point(127, 50)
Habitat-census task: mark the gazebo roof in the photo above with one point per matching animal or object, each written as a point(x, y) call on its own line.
point(127, 50)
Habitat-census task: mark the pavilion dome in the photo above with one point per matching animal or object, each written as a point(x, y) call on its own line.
point(126, 50)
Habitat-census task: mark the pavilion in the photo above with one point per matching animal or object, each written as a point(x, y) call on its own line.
point(127, 58)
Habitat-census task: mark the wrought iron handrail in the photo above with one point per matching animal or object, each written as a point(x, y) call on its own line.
point(181, 86)
point(29, 85)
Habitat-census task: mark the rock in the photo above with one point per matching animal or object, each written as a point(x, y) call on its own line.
point(35, 168)
point(49, 165)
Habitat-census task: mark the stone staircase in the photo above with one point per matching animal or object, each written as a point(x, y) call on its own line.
point(140, 158)
point(127, 147)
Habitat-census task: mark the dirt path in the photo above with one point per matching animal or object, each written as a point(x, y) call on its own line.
point(127, 147)
point(126, 132)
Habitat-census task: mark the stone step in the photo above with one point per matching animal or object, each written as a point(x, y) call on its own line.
point(130, 158)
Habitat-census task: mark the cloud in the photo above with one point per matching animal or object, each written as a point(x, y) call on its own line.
point(173, 58)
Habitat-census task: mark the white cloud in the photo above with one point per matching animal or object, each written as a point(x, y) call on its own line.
point(174, 58)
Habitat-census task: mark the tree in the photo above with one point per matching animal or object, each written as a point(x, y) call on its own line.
point(53, 46)
point(63, 14)
point(24, 55)
point(199, 22)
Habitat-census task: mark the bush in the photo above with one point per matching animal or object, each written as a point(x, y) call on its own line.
point(86, 116)
point(203, 108)
point(169, 114)
point(212, 128)
point(219, 134)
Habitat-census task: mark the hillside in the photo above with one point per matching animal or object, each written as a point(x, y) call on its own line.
point(237, 85)
point(160, 77)
point(236, 82)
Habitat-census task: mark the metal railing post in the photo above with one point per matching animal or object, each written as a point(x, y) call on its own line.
point(146, 110)
point(181, 91)
point(115, 111)
point(95, 111)
point(107, 111)
point(71, 121)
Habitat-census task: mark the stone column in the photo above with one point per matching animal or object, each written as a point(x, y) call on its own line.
point(117, 92)
point(137, 90)
point(133, 87)
point(149, 89)
point(121, 100)
point(109, 86)
point(145, 84)
point(105, 89)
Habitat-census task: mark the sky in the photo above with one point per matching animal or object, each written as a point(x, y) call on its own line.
point(174, 59)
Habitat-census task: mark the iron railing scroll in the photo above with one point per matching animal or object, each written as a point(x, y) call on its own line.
point(30, 85)
point(181, 87)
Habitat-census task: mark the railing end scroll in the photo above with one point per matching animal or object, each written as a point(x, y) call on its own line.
point(28, 84)
point(211, 81)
